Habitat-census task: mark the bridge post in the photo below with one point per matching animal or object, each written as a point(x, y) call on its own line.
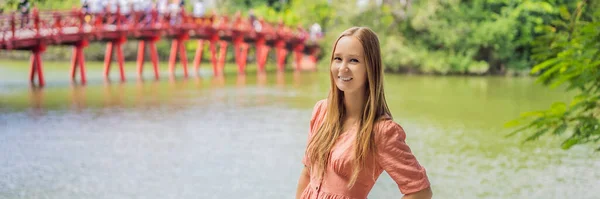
point(198, 55)
point(141, 54)
point(120, 59)
point(183, 57)
point(36, 65)
point(178, 45)
point(115, 44)
point(140, 58)
point(281, 53)
point(244, 58)
point(241, 50)
point(78, 60)
point(213, 53)
point(298, 50)
point(108, 58)
point(262, 52)
point(152, 44)
point(154, 56)
point(222, 56)
point(110, 46)
point(240, 28)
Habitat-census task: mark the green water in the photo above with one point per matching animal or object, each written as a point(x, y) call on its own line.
point(244, 136)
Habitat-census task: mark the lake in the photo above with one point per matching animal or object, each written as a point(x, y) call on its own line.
point(244, 136)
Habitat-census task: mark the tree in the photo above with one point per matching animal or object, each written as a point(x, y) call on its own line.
point(571, 54)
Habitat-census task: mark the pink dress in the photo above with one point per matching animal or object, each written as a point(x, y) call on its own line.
point(393, 156)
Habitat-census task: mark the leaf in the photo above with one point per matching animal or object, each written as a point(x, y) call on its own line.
point(567, 144)
point(550, 74)
point(544, 65)
point(512, 123)
point(532, 113)
point(564, 13)
point(523, 128)
point(559, 108)
point(562, 80)
point(536, 135)
point(560, 130)
point(542, 7)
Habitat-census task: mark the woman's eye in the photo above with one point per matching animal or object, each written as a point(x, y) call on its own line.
point(354, 60)
point(337, 58)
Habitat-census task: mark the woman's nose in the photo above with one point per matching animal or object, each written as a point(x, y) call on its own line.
point(344, 67)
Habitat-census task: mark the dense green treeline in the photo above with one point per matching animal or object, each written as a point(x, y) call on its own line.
point(436, 36)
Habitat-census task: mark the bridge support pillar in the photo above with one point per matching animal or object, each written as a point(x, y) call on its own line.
point(78, 61)
point(178, 45)
point(262, 52)
point(110, 46)
point(198, 56)
point(222, 56)
point(240, 49)
point(213, 57)
point(298, 52)
point(153, 56)
point(36, 65)
point(281, 53)
point(241, 54)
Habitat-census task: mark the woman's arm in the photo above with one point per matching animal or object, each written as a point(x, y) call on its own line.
point(423, 194)
point(302, 182)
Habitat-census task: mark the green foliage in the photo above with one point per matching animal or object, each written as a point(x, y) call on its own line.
point(572, 58)
point(452, 36)
point(11, 5)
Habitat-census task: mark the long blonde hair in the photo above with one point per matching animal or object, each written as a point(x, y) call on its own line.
point(375, 107)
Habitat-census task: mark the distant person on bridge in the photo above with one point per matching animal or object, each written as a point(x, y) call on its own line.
point(315, 33)
point(24, 7)
point(85, 6)
point(94, 6)
point(174, 10)
point(163, 7)
point(199, 9)
point(125, 7)
point(112, 6)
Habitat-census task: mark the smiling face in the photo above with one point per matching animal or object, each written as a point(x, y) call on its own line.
point(349, 67)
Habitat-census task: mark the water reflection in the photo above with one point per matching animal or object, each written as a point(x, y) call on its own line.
point(36, 99)
point(280, 79)
point(218, 81)
point(261, 79)
point(78, 97)
point(113, 95)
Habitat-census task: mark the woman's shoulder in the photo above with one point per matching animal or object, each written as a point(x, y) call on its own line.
point(386, 128)
point(319, 108)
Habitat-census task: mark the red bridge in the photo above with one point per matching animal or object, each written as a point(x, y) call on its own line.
point(74, 28)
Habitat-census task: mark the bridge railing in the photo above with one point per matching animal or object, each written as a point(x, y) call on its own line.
point(53, 24)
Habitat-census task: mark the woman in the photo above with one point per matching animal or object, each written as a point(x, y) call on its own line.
point(352, 137)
